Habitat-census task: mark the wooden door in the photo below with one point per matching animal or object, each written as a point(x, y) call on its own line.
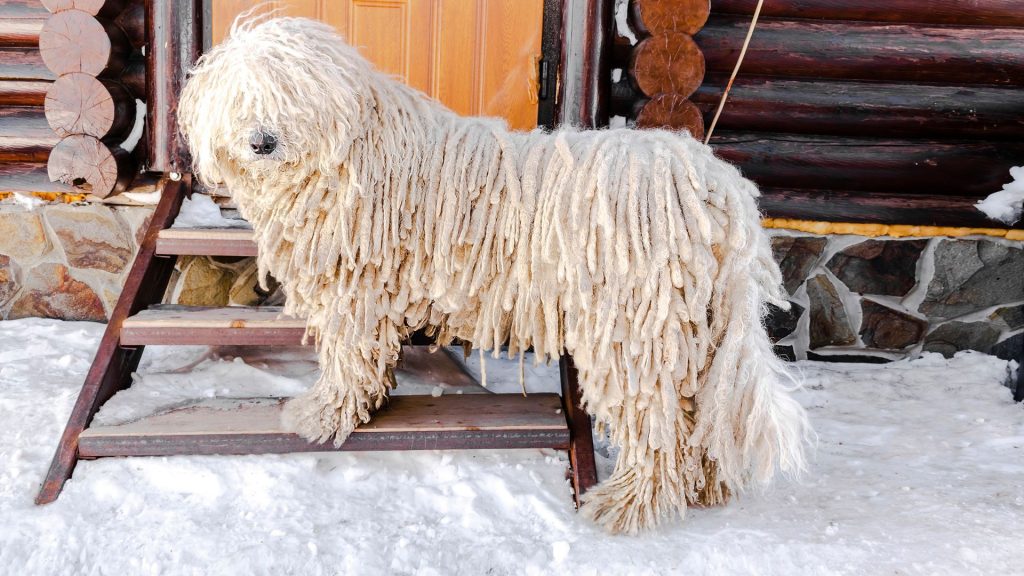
point(478, 57)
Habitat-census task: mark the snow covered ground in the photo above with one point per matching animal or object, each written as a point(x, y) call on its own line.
point(919, 470)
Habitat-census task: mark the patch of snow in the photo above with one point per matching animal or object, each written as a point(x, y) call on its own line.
point(143, 197)
point(27, 201)
point(918, 470)
point(135, 135)
point(200, 211)
point(622, 21)
point(1007, 205)
point(617, 122)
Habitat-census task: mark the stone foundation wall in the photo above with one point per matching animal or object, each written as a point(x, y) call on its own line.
point(883, 299)
point(62, 261)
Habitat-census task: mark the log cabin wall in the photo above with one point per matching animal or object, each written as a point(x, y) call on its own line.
point(72, 202)
point(871, 128)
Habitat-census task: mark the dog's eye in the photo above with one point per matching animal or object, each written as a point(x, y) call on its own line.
point(262, 142)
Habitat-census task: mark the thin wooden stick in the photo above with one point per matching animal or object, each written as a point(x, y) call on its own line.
point(735, 70)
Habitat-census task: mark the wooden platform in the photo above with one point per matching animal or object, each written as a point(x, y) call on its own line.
point(227, 326)
point(252, 426)
point(205, 242)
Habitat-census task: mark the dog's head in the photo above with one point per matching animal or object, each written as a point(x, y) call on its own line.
point(283, 97)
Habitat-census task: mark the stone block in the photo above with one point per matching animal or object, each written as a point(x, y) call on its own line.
point(952, 337)
point(781, 323)
point(888, 329)
point(797, 256)
point(10, 279)
point(92, 237)
point(971, 275)
point(22, 235)
point(1009, 317)
point(883, 267)
point(830, 322)
point(204, 282)
point(51, 292)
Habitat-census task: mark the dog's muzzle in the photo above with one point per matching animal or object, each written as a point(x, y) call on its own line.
point(262, 143)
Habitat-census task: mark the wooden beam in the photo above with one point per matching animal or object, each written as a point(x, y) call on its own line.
point(30, 9)
point(866, 51)
point(105, 8)
point(954, 12)
point(206, 241)
point(672, 111)
point(23, 92)
point(253, 426)
point(584, 74)
point(112, 367)
point(670, 63)
point(20, 32)
point(582, 465)
point(865, 108)
point(227, 326)
point(174, 42)
point(29, 177)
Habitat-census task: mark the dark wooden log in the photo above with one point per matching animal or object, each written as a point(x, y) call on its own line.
point(20, 32)
point(32, 9)
point(105, 8)
point(90, 165)
point(958, 168)
point(78, 103)
point(956, 12)
point(674, 112)
point(29, 177)
point(875, 207)
point(132, 20)
point(865, 108)
point(858, 50)
point(24, 135)
point(134, 77)
point(112, 367)
point(671, 63)
point(22, 93)
point(74, 41)
point(656, 17)
point(173, 43)
point(23, 64)
point(584, 81)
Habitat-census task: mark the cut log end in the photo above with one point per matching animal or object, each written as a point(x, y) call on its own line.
point(659, 17)
point(78, 103)
point(674, 112)
point(74, 41)
point(90, 165)
point(91, 7)
point(669, 64)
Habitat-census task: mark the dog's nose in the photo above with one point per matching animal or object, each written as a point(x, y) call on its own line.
point(262, 142)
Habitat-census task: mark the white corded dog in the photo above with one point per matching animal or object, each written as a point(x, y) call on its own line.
point(381, 212)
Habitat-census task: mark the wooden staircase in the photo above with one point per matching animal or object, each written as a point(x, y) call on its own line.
point(251, 425)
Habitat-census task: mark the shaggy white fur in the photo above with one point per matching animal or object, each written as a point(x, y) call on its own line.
point(382, 213)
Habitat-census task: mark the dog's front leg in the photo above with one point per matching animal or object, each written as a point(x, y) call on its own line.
point(354, 381)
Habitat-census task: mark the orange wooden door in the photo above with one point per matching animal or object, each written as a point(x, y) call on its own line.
point(478, 57)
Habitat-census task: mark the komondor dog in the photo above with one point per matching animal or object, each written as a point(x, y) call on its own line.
point(381, 212)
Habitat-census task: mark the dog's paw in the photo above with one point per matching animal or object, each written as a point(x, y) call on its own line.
point(308, 417)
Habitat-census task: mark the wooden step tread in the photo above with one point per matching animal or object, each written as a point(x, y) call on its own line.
point(211, 326)
point(205, 241)
point(252, 426)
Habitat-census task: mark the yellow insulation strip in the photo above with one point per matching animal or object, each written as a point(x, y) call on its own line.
point(893, 230)
point(49, 196)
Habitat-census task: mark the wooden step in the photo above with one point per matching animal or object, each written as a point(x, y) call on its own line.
point(252, 426)
point(209, 326)
point(205, 242)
